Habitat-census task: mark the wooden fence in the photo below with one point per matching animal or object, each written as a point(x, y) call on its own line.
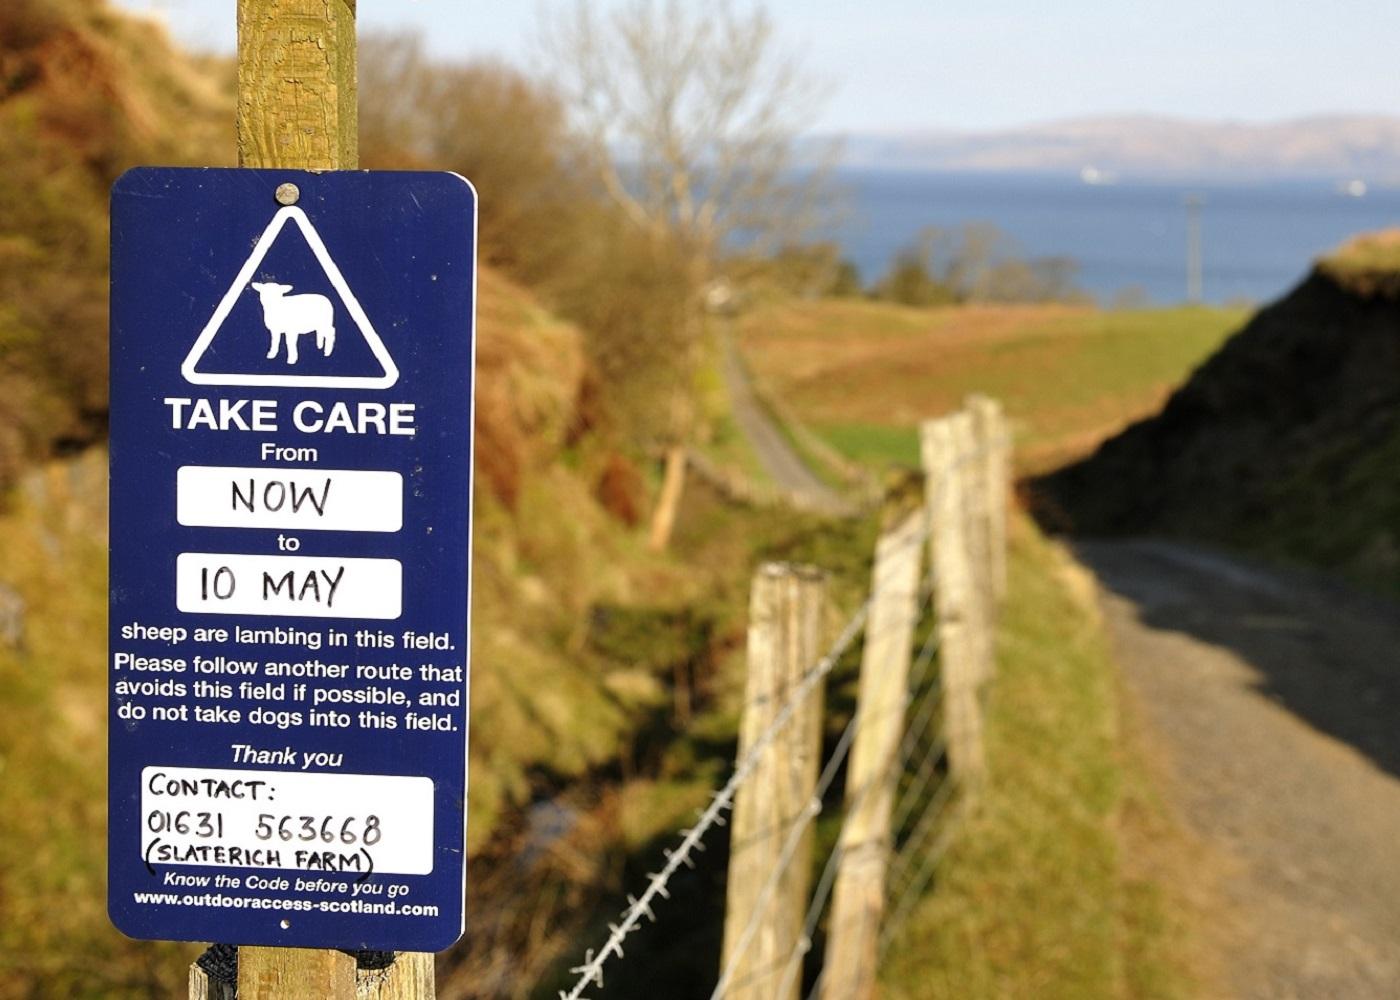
point(912, 753)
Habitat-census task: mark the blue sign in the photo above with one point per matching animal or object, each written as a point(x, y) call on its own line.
point(291, 420)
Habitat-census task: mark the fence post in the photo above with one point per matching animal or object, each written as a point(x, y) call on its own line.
point(976, 512)
point(663, 521)
point(785, 614)
point(944, 445)
point(205, 987)
point(411, 977)
point(859, 900)
point(285, 973)
point(993, 442)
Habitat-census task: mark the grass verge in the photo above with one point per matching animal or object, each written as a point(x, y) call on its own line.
point(1039, 895)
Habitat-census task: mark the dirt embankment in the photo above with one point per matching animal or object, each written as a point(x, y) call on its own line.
point(1285, 442)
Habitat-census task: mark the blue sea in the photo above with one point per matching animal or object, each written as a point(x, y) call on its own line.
point(1258, 239)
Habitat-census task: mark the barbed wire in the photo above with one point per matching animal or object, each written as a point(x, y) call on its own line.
point(918, 673)
point(923, 777)
point(590, 972)
point(913, 889)
point(799, 826)
point(899, 863)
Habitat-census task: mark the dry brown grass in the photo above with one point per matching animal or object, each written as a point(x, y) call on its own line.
point(530, 372)
point(1368, 264)
point(84, 94)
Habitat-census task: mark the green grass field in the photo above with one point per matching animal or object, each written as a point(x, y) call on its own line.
point(863, 374)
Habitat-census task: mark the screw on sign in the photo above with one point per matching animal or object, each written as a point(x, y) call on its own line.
point(289, 561)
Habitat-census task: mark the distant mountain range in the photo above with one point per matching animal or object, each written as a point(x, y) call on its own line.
point(1341, 147)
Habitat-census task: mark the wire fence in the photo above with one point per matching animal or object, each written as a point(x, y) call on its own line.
point(930, 799)
point(591, 971)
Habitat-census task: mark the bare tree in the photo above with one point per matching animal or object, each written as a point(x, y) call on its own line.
point(692, 115)
point(504, 130)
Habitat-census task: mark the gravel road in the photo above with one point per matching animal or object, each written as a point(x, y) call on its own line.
point(782, 464)
point(1276, 701)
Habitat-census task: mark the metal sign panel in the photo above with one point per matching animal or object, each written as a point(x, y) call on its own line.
point(290, 526)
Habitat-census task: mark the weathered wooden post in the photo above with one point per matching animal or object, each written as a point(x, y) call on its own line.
point(668, 503)
point(872, 778)
point(944, 443)
point(971, 470)
point(298, 95)
point(298, 108)
point(785, 615)
point(994, 445)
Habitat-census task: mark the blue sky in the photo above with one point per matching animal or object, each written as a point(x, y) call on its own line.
point(903, 65)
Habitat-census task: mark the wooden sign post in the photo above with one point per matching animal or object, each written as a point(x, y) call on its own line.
point(298, 98)
point(298, 109)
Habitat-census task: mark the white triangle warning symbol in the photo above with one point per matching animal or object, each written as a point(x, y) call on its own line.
point(289, 317)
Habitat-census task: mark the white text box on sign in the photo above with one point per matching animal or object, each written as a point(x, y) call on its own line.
point(210, 496)
point(288, 586)
point(312, 821)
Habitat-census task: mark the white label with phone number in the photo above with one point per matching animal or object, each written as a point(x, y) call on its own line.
point(358, 824)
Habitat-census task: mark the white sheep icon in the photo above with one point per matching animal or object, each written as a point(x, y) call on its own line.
point(287, 317)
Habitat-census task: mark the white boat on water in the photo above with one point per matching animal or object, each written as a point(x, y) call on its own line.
point(1091, 174)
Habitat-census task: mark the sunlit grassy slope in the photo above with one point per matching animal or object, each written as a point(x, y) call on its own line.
point(85, 92)
point(1367, 263)
point(53, 788)
point(863, 374)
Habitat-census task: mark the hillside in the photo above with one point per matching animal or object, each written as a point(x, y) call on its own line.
point(84, 94)
point(1334, 147)
point(1285, 442)
point(577, 638)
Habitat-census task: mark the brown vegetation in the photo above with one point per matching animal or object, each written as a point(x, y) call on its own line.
point(83, 95)
point(529, 375)
point(1368, 265)
point(621, 490)
point(489, 122)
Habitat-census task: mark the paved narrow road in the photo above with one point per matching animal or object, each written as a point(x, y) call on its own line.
point(1276, 701)
point(782, 464)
